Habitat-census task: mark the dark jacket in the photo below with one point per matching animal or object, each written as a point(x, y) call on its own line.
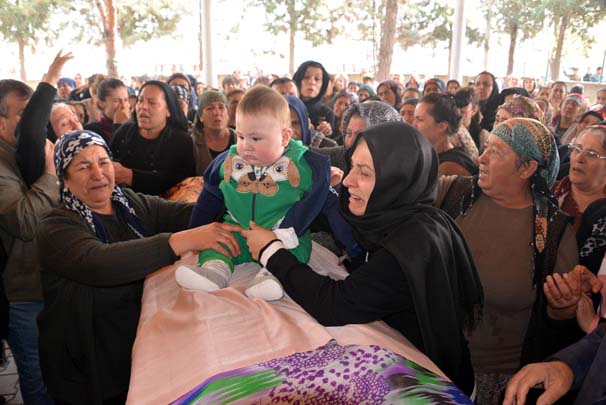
point(92, 295)
point(587, 359)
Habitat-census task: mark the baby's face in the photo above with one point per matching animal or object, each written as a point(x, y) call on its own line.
point(261, 138)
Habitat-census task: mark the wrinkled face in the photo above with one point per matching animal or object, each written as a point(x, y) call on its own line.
point(363, 95)
point(295, 125)
point(286, 89)
point(261, 138)
point(408, 113)
point(341, 105)
point(15, 106)
point(467, 114)
point(499, 170)
point(354, 127)
point(587, 172)
point(234, 100)
point(571, 110)
point(311, 83)
point(431, 88)
point(90, 177)
point(502, 115)
point(63, 120)
point(432, 130)
point(387, 95)
point(360, 181)
point(63, 90)
point(601, 97)
point(151, 109)
point(557, 93)
point(116, 100)
point(483, 86)
point(214, 116)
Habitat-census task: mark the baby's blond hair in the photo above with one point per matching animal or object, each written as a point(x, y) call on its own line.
point(263, 100)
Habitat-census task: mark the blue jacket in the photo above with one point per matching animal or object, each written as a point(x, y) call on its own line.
point(587, 358)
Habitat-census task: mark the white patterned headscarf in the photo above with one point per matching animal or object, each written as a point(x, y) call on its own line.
point(68, 147)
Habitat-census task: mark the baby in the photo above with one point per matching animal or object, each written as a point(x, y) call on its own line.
point(267, 178)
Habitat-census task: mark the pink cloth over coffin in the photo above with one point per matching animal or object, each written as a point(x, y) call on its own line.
point(185, 337)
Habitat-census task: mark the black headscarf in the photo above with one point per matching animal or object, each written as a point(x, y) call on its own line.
point(489, 107)
point(426, 242)
point(300, 74)
point(520, 91)
point(317, 110)
point(177, 120)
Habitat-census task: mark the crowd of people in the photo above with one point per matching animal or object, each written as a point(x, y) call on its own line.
point(472, 219)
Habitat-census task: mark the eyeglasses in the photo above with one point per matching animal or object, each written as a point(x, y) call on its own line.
point(576, 149)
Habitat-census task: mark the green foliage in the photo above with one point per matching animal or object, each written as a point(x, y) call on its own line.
point(312, 18)
point(424, 23)
point(142, 21)
point(27, 20)
point(135, 20)
point(527, 16)
point(583, 15)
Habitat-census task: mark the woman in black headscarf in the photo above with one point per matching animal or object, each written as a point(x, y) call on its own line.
point(153, 152)
point(419, 276)
point(312, 81)
point(487, 88)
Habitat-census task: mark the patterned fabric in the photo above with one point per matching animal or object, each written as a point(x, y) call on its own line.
point(330, 374)
point(525, 107)
point(372, 112)
point(463, 139)
point(491, 387)
point(68, 147)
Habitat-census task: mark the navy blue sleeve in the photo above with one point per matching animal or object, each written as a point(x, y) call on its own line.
point(579, 356)
point(302, 214)
point(210, 204)
point(339, 227)
point(31, 133)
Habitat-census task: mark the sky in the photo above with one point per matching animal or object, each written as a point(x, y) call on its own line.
point(240, 42)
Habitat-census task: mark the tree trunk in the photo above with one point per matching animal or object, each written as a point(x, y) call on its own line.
point(513, 37)
point(108, 20)
point(450, 52)
point(291, 52)
point(388, 38)
point(556, 58)
point(21, 42)
point(292, 13)
point(487, 35)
